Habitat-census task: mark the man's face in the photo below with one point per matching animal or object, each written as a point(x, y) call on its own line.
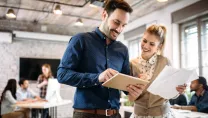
point(194, 85)
point(25, 84)
point(114, 23)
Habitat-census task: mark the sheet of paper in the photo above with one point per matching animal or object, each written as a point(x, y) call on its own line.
point(167, 81)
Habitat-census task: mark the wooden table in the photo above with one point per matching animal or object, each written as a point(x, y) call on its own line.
point(44, 105)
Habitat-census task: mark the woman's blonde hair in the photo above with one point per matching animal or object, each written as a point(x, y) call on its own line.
point(49, 68)
point(160, 32)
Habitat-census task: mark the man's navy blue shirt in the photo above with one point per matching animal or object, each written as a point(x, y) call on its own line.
point(86, 56)
point(201, 102)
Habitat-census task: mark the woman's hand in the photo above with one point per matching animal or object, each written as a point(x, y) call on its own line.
point(45, 82)
point(144, 76)
point(135, 91)
point(181, 88)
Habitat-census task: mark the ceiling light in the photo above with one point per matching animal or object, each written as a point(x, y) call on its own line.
point(162, 0)
point(98, 3)
point(79, 22)
point(10, 13)
point(57, 10)
point(92, 5)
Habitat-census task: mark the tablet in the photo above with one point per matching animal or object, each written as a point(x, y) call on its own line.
point(121, 81)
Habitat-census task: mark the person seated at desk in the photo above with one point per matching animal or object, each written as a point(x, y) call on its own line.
point(8, 99)
point(199, 101)
point(24, 93)
point(180, 100)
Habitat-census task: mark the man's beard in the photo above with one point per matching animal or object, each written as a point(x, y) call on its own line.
point(192, 90)
point(108, 32)
point(195, 89)
point(25, 88)
point(111, 31)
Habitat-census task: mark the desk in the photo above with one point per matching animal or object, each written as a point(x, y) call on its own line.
point(43, 105)
point(188, 114)
point(177, 113)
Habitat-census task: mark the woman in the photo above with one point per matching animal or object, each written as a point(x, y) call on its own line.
point(43, 83)
point(148, 66)
point(8, 98)
point(43, 79)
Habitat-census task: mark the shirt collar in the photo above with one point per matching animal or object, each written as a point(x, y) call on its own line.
point(23, 90)
point(151, 61)
point(202, 93)
point(100, 34)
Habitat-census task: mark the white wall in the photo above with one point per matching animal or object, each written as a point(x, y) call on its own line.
point(163, 17)
point(10, 53)
point(121, 38)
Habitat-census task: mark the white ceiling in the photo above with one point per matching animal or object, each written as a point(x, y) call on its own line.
point(42, 12)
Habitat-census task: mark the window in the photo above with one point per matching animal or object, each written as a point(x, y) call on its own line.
point(194, 45)
point(134, 48)
point(204, 47)
point(189, 46)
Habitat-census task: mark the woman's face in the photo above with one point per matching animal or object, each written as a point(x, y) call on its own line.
point(45, 70)
point(150, 44)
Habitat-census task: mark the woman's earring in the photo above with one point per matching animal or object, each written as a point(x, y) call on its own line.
point(158, 52)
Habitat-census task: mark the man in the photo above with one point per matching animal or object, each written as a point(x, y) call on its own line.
point(24, 93)
point(92, 58)
point(199, 101)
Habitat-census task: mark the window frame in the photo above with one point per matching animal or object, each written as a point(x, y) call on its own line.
point(198, 22)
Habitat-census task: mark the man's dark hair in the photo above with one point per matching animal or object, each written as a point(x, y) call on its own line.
point(111, 5)
point(21, 82)
point(203, 81)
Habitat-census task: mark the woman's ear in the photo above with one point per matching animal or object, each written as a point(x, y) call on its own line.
point(159, 49)
point(160, 46)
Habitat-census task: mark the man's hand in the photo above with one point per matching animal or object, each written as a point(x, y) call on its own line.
point(135, 91)
point(176, 107)
point(38, 97)
point(107, 74)
point(181, 88)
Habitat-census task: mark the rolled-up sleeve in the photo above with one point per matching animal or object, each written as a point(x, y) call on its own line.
point(67, 71)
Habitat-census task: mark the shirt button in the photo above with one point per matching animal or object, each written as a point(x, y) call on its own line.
point(108, 59)
point(108, 100)
point(95, 84)
point(83, 86)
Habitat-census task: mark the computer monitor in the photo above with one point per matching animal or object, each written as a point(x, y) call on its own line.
point(53, 91)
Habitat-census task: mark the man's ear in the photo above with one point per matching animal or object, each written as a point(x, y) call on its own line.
point(200, 85)
point(104, 15)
